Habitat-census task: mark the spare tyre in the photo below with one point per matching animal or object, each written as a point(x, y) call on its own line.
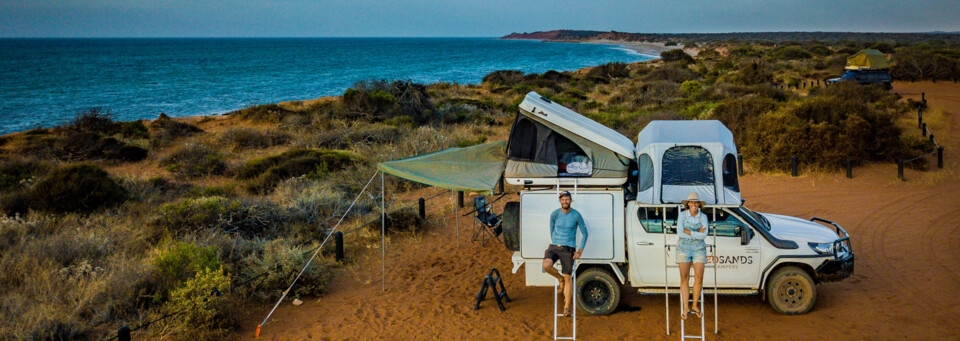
point(511, 225)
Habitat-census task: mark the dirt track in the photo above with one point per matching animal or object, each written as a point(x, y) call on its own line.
point(906, 236)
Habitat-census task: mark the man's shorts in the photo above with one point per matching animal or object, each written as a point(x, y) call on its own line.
point(690, 250)
point(564, 254)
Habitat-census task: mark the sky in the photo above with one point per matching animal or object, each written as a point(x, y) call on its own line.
point(460, 18)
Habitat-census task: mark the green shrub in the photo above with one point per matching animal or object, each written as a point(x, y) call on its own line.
point(269, 171)
point(604, 73)
point(503, 77)
point(690, 88)
point(14, 172)
point(193, 161)
point(282, 262)
point(81, 146)
point(676, 55)
point(382, 100)
point(244, 138)
point(76, 188)
point(181, 261)
point(203, 306)
point(218, 213)
point(165, 130)
point(133, 129)
point(93, 120)
point(269, 113)
point(791, 53)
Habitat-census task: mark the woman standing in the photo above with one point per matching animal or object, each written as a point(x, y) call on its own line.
point(692, 229)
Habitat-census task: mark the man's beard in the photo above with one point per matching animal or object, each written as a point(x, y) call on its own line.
point(564, 206)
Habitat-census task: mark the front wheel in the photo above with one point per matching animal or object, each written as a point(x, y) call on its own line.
point(598, 293)
point(791, 291)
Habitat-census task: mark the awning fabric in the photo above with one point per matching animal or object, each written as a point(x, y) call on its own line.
point(471, 169)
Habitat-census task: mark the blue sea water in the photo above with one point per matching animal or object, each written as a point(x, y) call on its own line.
point(45, 82)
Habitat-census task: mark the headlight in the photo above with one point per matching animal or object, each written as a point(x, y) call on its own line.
point(822, 248)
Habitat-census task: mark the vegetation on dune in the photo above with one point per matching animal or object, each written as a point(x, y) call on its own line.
point(83, 250)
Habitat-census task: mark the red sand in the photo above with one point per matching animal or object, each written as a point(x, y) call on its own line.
point(906, 236)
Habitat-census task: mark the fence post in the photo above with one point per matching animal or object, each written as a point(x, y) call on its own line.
point(740, 164)
point(422, 208)
point(460, 198)
point(793, 166)
point(939, 157)
point(919, 117)
point(849, 168)
point(931, 139)
point(900, 170)
point(923, 96)
point(502, 185)
point(338, 245)
point(924, 125)
point(123, 334)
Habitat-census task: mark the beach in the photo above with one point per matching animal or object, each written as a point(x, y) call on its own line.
point(653, 49)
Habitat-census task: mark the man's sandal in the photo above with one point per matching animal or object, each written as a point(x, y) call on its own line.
point(567, 311)
point(698, 313)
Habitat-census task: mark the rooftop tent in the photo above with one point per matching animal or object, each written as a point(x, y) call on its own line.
point(549, 142)
point(473, 169)
point(867, 59)
point(676, 158)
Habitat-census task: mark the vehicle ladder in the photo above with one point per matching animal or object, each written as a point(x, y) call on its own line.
point(666, 289)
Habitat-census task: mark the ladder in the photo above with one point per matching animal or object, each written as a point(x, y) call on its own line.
point(573, 296)
point(666, 289)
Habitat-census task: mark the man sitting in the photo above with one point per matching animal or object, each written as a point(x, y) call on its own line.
point(564, 223)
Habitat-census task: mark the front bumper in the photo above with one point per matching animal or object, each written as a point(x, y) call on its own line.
point(835, 269)
point(841, 266)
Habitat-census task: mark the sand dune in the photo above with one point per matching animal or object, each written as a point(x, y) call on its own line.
point(906, 236)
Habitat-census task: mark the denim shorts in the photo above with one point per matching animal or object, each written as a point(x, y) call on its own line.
point(691, 250)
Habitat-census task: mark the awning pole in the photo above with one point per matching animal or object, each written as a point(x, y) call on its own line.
point(456, 214)
point(383, 238)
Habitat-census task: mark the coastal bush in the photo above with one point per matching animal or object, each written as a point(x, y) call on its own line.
point(203, 307)
point(791, 53)
point(741, 114)
point(676, 55)
point(266, 113)
point(690, 88)
point(281, 261)
point(81, 146)
point(671, 72)
point(93, 120)
point(245, 138)
point(604, 73)
point(219, 213)
point(76, 188)
point(194, 161)
point(133, 129)
point(180, 261)
point(165, 130)
point(504, 77)
point(381, 100)
point(269, 171)
point(754, 73)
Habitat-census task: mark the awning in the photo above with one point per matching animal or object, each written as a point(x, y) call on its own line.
point(472, 169)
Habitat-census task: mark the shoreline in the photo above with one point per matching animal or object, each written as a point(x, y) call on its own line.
point(646, 48)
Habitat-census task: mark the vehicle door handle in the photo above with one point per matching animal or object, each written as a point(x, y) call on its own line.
point(644, 243)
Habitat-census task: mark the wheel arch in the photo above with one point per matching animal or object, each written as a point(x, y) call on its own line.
point(766, 275)
point(605, 266)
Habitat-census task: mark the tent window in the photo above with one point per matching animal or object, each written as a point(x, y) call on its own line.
point(730, 172)
point(523, 141)
point(645, 168)
point(687, 165)
point(571, 159)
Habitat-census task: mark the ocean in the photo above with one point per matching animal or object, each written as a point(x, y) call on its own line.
point(45, 82)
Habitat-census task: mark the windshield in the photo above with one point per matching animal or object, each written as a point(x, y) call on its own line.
point(849, 75)
point(754, 218)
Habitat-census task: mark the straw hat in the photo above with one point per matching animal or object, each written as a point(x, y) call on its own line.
point(692, 197)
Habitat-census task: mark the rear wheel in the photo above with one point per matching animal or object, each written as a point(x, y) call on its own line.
point(598, 293)
point(791, 291)
point(511, 226)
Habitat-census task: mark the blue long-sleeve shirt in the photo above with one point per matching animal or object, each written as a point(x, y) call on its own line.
point(563, 228)
point(693, 224)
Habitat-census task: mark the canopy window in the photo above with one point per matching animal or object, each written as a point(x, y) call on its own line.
point(730, 173)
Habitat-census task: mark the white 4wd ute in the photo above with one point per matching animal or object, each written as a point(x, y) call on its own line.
point(629, 197)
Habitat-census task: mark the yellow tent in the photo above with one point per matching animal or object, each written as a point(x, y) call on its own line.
point(867, 59)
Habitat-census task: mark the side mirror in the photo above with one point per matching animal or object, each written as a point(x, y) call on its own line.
point(746, 234)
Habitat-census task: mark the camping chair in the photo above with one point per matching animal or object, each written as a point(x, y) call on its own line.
point(485, 221)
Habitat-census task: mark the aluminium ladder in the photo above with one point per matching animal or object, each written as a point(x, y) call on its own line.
point(573, 297)
point(666, 291)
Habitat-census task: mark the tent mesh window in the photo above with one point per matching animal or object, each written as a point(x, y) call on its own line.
point(687, 165)
point(523, 141)
point(730, 172)
point(571, 159)
point(645, 168)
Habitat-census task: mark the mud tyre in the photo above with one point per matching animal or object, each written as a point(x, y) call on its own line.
point(598, 292)
point(791, 291)
point(511, 226)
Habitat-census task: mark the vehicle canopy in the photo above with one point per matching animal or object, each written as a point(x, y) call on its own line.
point(867, 59)
point(675, 158)
point(550, 141)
